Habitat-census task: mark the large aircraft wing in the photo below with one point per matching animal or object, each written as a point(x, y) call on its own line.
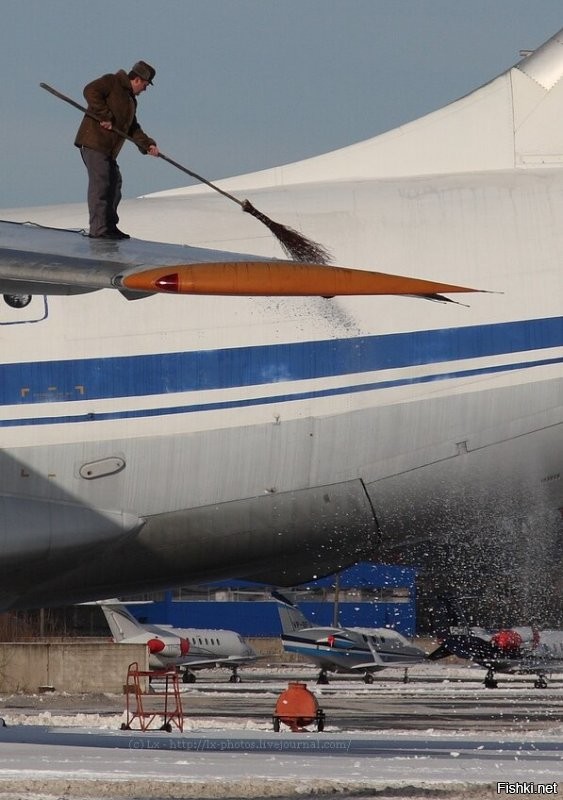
point(41, 260)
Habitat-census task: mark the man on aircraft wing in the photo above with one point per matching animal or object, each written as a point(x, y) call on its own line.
point(113, 99)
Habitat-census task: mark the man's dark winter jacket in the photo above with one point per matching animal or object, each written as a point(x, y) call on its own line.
point(110, 98)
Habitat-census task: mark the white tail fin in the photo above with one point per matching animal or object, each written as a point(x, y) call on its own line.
point(513, 121)
point(122, 624)
point(290, 617)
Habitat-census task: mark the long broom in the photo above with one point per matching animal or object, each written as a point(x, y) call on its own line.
point(296, 246)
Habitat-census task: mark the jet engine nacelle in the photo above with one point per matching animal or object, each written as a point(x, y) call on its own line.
point(171, 650)
point(507, 640)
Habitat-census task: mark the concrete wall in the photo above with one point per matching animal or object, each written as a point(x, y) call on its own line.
point(68, 666)
point(270, 649)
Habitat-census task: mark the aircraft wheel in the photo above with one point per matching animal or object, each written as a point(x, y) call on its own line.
point(235, 679)
point(188, 677)
point(368, 678)
point(540, 683)
point(166, 727)
point(490, 682)
point(276, 724)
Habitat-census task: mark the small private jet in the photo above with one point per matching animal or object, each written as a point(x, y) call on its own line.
point(353, 650)
point(519, 650)
point(188, 648)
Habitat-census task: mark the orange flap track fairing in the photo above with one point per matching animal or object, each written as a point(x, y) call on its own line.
point(279, 278)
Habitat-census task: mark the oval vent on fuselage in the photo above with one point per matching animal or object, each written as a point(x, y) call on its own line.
point(101, 468)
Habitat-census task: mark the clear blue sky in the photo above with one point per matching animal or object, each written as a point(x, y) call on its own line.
point(241, 84)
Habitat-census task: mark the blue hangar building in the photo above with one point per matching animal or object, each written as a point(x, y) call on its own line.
point(365, 595)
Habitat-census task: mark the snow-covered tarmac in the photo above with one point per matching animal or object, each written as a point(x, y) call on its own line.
point(84, 754)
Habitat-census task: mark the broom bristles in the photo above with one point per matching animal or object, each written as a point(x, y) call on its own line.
point(294, 244)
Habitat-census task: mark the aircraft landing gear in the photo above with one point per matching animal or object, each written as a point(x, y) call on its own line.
point(235, 677)
point(323, 678)
point(368, 677)
point(490, 682)
point(540, 682)
point(188, 676)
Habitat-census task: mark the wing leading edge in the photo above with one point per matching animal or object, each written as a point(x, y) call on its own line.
point(38, 260)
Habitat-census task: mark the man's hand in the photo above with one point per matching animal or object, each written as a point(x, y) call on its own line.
point(153, 150)
point(105, 123)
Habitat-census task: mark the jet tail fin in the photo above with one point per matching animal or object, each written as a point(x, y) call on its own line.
point(512, 121)
point(291, 618)
point(449, 617)
point(122, 623)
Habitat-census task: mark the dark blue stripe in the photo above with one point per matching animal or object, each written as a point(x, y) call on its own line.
point(131, 376)
point(284, 398)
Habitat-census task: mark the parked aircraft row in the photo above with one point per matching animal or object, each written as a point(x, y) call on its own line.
point(172, 439)
point(360, 651)
point(338, 649)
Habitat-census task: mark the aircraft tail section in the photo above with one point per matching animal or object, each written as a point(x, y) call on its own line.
point(291, 618)
point(466, 647)
point(513, 121)
point(122, 624)
point(449, 617)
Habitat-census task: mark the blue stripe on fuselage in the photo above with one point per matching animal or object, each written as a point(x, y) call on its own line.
point(161, 373)
point(273, 399)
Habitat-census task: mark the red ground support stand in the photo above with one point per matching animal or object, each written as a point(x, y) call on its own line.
point(149, 703)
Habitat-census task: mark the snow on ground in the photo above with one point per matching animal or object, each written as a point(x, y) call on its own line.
point(87, 772)
point(38, 772)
